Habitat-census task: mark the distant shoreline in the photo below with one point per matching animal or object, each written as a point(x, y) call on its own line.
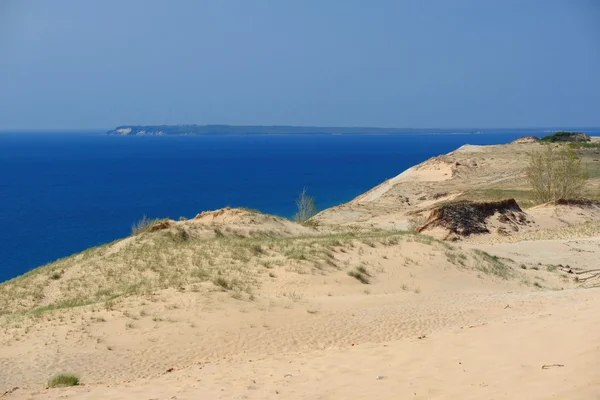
point(194, 130)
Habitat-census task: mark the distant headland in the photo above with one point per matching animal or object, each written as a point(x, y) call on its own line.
point(191, 130)
point(164, 130)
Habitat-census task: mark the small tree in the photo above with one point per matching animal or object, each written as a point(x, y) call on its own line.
point(306, 207)
point(556, 174)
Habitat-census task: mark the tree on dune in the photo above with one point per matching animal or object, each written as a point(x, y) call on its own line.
point(556, 174)
point(306, 207)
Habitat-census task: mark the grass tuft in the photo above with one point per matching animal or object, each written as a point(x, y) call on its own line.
point(492, 265)
point(360, 274)
point(222, 283)
point(63, 380)
point(361, 269)
point(142, 225)
point(56, 275)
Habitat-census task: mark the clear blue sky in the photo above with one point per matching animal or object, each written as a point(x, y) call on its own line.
point(69, 64)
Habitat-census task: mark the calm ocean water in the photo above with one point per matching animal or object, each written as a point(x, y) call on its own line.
point(62, 193)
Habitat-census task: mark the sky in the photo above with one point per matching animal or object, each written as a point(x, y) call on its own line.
point(72, 64)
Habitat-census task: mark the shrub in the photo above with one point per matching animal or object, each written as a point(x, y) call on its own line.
point(63, 380)
point(555, 174)
point(142, 225)
point(306, 207)
point(361, 275)
point(562, 136)
point(56, 275)
point(223, 283)
point(363, 270)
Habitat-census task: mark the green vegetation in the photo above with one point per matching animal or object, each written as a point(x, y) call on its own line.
point(556, 174)
point(74, 302)
point(492, 265)
point(584, 145)
point(63, 380)
point(456, 258)
point(226, 284)
point(109, 273)
point(306, 207)
point(563, 136)
point(142, 225)
point(360, 277)
point(56, 275)
point(361, 274)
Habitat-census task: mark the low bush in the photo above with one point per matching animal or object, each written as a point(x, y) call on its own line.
point(142, 225)
point(63, 380)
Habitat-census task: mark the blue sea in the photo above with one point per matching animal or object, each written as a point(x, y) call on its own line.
point(62, 193)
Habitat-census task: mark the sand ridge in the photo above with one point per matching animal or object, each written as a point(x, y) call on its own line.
point(479, 173)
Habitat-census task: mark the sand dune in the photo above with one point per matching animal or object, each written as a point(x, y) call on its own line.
point(239, 304)
point(479, 173)
point(497, 350)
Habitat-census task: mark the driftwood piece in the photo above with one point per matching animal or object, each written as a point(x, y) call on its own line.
point(548, 366)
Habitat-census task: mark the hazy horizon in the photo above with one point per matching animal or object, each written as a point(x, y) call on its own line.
point(71, 65)
point(508, 128)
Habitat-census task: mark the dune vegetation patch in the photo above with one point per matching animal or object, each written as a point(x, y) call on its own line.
point(63, 380)
point(564, 136)
point(183, 258)
point(361, 274)
point(177, 258)
point(143, 224)
point(492, 265)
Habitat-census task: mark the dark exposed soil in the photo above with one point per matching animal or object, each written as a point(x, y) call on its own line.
point(577, 202)
point(467, 218)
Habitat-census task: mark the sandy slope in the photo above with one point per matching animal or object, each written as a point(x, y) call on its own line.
point(497, 356)
point(415, 288)
point(470, 172)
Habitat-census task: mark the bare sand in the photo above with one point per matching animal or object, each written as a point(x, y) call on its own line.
point(525, 346)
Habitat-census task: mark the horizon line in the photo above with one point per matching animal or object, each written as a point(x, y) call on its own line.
point(82, 130)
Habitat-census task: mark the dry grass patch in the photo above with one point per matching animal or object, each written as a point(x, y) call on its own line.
point(361, 274)
point(492, 265)
point(142, 225)
point(152, 261)
point(63, 380)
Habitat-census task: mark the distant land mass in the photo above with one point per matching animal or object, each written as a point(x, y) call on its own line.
point(169, 130)
point(160, 130)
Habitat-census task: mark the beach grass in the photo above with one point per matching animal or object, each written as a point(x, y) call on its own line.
point(63, 380)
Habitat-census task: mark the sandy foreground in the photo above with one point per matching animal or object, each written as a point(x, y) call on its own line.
point(505, 346)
